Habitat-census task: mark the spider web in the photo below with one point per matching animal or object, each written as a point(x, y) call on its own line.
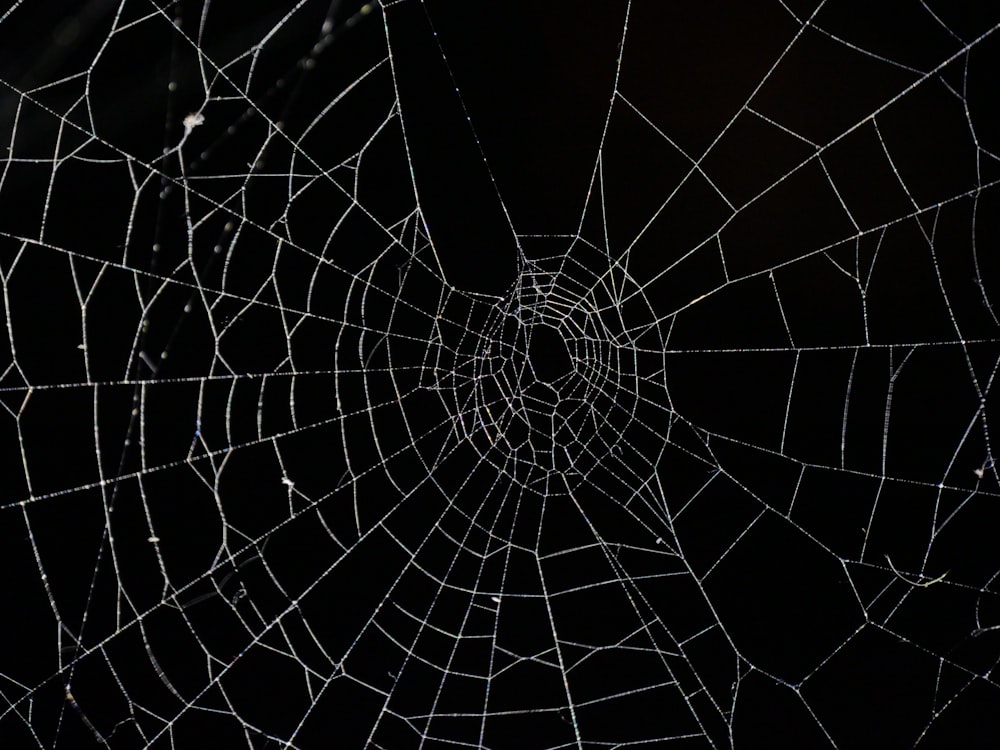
point(421, 375)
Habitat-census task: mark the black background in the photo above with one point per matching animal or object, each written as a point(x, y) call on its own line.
point(756, 462)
